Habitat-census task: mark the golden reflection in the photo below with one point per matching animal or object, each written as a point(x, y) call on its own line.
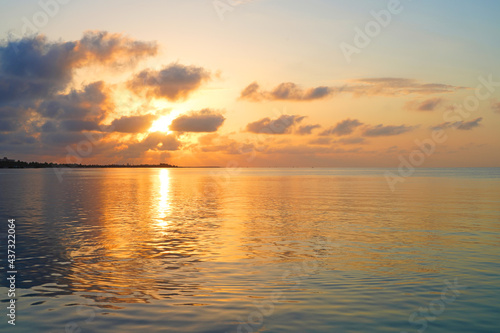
point(164, 204)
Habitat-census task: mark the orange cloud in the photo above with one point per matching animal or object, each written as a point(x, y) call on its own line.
point(377, 86)
point(205, 120)
point(281, 125)
point(284, 91)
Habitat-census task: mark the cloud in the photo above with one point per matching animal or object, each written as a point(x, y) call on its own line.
point(323, 141)
point(344, 127)
point(281, 125)
point(12, 117)
point(112, 49)
point(56, 121)
point(252, 93)
point(156, 141)
point(174, 82)
point(205, 120)
point(359, 87)
point(133, 124)
point(42, 108)
point(90, 103)
point(34, 67)
point(161, 141)
point(352, 141)
point(461, 125)
point(381, 130)
point(211, 143)
point(426, 105)
point(73, 125)
point(307, 129)
point(398, 86)
point(468, 125)
point(9, 125)
point(284, 91)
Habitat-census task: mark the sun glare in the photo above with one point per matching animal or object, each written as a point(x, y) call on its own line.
point(162, 124)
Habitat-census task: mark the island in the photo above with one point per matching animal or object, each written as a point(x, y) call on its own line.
point(13, 164)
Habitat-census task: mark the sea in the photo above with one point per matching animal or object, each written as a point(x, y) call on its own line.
point(250, 250)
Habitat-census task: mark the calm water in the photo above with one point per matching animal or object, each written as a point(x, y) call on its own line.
point(264, 250)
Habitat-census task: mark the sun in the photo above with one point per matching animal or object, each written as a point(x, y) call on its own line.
point(162, 124)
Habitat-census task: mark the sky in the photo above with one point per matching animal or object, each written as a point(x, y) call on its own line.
point(262, 83)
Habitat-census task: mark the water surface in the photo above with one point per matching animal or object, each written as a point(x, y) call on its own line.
point(257, 250)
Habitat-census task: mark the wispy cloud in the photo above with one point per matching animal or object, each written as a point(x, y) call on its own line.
point(461, 125)
point(398, 86)
point(427, 105)
point(281, 125)
point(284, 91)
point(390, 130)
point(359, 87)
point(307, 129)
point(343, 127)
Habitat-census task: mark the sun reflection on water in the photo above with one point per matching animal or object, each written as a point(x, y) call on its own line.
point(164, 198)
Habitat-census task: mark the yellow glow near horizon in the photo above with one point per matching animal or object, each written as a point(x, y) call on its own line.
point(162, 124)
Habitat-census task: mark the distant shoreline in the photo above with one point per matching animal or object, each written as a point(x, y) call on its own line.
point(5, 163)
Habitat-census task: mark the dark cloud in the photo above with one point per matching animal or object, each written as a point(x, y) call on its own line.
point(35, 68)
point(205, 120)
point(90, 103)
point(374, 86)
point(174, 82)
point(284, 91)
point(79, 125)
point(49, 126)
point(426, 105)
point(344, 127)
point(381, 130)
point(133, 124)
point(461, 125)
point(9, 125)
point(59, 120)
point(307, 129)
point(37, 106)
point(281, 125)
point(16, 139)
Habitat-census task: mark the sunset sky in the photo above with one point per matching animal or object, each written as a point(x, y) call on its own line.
point(250, 83)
